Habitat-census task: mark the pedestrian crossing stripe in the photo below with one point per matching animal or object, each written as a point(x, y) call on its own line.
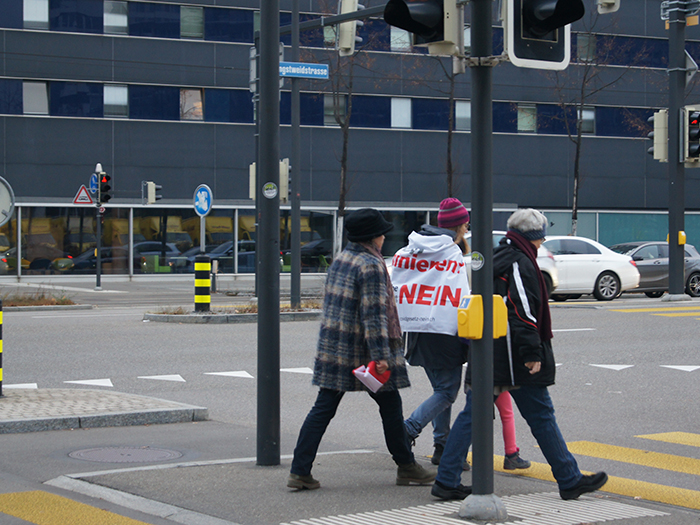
point(43, 508)
point(678, 438)
point(624, 487)
point(635, 456)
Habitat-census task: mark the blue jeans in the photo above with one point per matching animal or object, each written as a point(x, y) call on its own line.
point(535, 406)
point(324, 409)
point(437, 408)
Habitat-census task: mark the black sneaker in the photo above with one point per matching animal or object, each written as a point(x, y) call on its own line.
point(588, 483)
point(437, 454)
point(447, 493)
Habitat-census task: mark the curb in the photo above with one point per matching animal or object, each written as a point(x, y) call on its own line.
point(228, 318)
point(48, 307)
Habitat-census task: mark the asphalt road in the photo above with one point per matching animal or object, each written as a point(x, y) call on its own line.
point(628, 368)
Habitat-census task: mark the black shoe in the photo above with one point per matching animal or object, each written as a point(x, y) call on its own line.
point(437, 454)
point(447, 493)
point(588, 483)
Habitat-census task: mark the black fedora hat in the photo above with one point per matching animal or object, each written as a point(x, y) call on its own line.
point(366, 224)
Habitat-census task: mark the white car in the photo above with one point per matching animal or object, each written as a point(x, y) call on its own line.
point(545, 261)
point(587, 267)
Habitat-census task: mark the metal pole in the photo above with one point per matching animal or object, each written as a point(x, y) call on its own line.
point(296, 168)
point(98, 268)
point(676, 168)
point(482, 504)
point(268, 240)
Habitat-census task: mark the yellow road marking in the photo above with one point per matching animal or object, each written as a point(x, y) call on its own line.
point(661, 309)
point(44, 508)
point(637, 457)
point(680, 314)
point(624, 487)
point(679, 438)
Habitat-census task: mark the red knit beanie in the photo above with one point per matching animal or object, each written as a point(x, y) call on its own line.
point(452, 213)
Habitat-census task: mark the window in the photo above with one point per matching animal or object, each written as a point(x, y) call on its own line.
point(400, 39)
point(35, 98)
point(36, 14)
point(116, 18)
point(585, 47)
point(329, 109)
point(527, 118)
point(191, 107)
point(586, 117)
point(191, 22)
point(467, 40)
point(463, 115)
point(401, 113)
point(116, 101)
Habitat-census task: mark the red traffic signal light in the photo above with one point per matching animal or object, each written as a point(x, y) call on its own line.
point(105, 188)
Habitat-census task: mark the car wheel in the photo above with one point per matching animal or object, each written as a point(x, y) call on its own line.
point(692, 287)
point(559, 297)
point(654, 295)
point(548, 283)
point(607, 286)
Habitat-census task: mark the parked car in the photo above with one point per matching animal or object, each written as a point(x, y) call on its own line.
point(223, 253)
point(545, 261)
point(316, 256)
point(652, 263)
point(112, 260)
point(587, 267)
point(159, 256)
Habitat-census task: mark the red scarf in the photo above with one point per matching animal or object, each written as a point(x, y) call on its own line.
point(544, 320)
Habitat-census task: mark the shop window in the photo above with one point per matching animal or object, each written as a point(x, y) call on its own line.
point(116, 17)
point(35, 98)
point(116, 101)
point(401, 113)
point(463, 115)
point(191, 22)
point(191, 104)
point(36, 14)
point(527, 118)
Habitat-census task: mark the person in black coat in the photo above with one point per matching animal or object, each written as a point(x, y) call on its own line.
point(523, 364)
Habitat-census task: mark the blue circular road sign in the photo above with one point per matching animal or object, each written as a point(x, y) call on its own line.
point(202, 200)
point(93, 183)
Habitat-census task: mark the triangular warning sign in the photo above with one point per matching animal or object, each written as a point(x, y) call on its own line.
point(83, 197)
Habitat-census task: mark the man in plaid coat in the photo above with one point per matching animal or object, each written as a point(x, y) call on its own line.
point(359, 324)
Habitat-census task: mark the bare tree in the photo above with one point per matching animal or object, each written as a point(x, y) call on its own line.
point(578, 85)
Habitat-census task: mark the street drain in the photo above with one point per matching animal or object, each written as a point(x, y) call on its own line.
point(125, 454)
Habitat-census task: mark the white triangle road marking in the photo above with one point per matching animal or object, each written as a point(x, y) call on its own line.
point(173, 377)
point(92, 382)
point(683, 368)
point(614, 367)
point(302, 370)
point(240, 373)
point(22, 385)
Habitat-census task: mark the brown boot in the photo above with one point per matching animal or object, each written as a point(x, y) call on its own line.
point(414, 473)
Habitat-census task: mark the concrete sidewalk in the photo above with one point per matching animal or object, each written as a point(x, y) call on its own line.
point(33, 410)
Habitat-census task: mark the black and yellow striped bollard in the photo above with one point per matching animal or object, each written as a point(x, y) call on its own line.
point(202, 283)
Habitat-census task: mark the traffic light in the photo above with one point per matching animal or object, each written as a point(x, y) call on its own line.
point(608, 6)
point(104, 188)
point(151, 189)
point(437, 24)
point(660, 135)
point(347, 31)
point(285, 170)
point(538, 34)
point(691, 136)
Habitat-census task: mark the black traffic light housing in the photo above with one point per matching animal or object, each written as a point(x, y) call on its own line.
point(105, 188)
point(691, 136)
point(437, 24)
point(538, 34)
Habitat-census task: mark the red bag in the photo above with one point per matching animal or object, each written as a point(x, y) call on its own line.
point(369, 376)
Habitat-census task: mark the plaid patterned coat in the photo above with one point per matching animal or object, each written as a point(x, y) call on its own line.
point(354, 325)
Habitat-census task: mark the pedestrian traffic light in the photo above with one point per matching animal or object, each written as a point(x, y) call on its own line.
point(285, 170)
point(104, 187)
point(691, 134)
point(151, 195)
point(437, 24)
point(660, 135)
point(347, 31)
point(538, 34)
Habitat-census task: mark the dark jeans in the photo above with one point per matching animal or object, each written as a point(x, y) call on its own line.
point(324, 410)
point(536, 407)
